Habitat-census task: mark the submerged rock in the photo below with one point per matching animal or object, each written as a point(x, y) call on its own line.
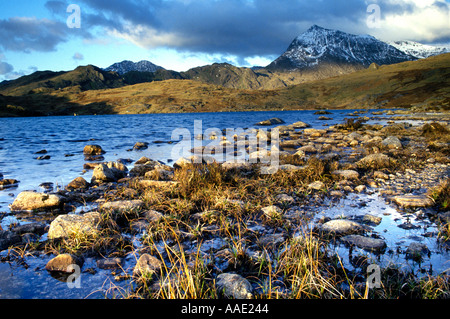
point(234, 286)
point(416, 251)
point(366, 243)
point(8, 238)
point(110, 263)
point(27, 201)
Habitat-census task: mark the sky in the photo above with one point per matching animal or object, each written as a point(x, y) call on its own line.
point(181, 34)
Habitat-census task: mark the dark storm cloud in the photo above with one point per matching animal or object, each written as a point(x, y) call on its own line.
point(241, 27)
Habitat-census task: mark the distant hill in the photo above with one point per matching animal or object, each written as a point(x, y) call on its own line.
point(82, 78)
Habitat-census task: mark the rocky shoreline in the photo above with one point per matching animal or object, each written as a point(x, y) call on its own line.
point(207, 230)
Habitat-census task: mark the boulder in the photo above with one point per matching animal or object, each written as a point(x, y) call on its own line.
point(317, 185)
point(77, 183)
point(413, 201)
point(147, 266)
point(376, 161)
point(110, 172)
point(392, 142)
point(68, 225)
point(366, 243)
point(28, 201)
point(346, 174)
point(234, 286)
point(64, 263)
point(93, 150)
point(341, 227)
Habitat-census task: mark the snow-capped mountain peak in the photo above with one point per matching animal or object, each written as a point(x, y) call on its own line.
point(127, 66)
point(419, 50)
point(319, 45)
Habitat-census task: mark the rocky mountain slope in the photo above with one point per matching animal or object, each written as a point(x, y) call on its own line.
point(319, 47)
point(128, 66)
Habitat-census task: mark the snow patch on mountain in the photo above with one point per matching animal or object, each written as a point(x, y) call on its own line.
point(419, 50)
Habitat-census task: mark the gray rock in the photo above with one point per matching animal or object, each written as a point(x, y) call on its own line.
point(234, 286)
point(376, 161)
point(28, 201)
point(346, 174)
point(392, 142)
point(317, 185)
point(67, 225)
point(110, 172)
point(123, 206)
point(366, 243)
point(341, 227)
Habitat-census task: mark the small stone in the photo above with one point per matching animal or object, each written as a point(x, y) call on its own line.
point(140, 146)
point(371, 219)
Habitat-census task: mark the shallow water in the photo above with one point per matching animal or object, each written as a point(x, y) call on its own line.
point(397, 239)
point(64, 139)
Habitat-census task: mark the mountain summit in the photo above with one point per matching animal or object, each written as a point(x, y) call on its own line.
point(319, 46)
point(128, 66)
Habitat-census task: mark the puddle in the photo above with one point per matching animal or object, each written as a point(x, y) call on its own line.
point(397, 239)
